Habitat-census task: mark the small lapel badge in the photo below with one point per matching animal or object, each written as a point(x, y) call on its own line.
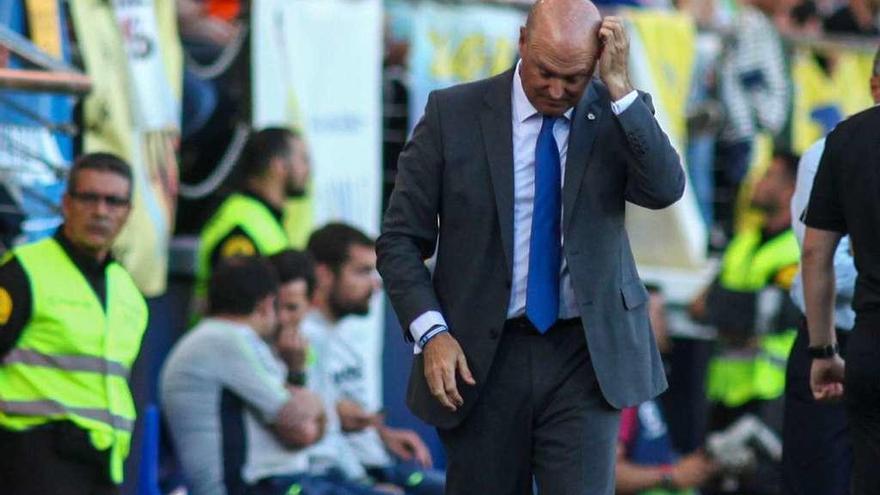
point(591, 116)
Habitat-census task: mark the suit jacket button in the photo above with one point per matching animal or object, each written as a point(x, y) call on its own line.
point(494, 333)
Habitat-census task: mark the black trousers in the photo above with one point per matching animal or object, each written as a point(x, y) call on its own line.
point(55, 459)
point(817, 450)
point(539, 415)
point(862, 397)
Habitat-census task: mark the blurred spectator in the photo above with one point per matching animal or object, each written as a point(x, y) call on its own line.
point(347, 280)
point(705, 12)
point(296, 272)
point(273, 167)
point(755, 89)
point(806, 20)
point(752, 314)
point(861, 17)
point(647, 462)
point(71, 323)
point(226, 403)
point(272, 461)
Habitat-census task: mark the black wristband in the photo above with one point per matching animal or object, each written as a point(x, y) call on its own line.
point(823, 351)
point(296, 378)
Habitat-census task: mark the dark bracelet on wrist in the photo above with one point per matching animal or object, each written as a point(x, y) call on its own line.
point(823, 351)
point(431, 333)
point(297, 378)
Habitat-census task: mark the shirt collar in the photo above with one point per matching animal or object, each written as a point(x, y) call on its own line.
point(278, 214)
point(522, 107)
point(86, 264)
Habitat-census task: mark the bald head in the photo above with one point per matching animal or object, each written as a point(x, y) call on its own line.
point(559, 46)
point(564, 22)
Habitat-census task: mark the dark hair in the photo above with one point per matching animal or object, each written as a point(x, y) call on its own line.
point(790, 160)
point(292, 265)
point(261, 148)
point(103, 162)
point(238, 284)
point(804, 12)
point(329, 245)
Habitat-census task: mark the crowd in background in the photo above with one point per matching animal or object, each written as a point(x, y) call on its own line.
point(743, 92)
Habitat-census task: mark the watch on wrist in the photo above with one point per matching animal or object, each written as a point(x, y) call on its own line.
point(823, 351)
point(296, 378)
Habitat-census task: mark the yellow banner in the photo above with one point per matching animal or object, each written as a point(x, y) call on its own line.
point(111, 126)
point(824, 98)
point(668, 40)
point(45, 27)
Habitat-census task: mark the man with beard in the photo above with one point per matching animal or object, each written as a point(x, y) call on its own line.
point(747, 303)
point(346, 281)
point(71, 323)
point(274, 166)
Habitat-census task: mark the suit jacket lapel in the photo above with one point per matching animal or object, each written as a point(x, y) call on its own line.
point(496, 123)
point(585, 121)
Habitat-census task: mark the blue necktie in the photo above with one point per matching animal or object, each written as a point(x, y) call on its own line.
point(542, 291)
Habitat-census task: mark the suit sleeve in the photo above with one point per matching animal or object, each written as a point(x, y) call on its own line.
point(410, 226)
point(655, 178)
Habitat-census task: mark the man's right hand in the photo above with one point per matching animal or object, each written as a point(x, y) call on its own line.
point(443, 358)
point(826, 379)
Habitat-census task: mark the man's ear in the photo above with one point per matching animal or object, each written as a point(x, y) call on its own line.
point(278, 168)
point(266, 305)
point(324, 276)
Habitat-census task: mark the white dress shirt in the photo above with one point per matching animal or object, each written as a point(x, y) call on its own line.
point(844, 265)
point(526, 124)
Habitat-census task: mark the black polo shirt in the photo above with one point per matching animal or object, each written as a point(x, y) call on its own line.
point(846, 199)
point(15, 290)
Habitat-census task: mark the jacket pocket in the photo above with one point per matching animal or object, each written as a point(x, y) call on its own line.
point(634, 294)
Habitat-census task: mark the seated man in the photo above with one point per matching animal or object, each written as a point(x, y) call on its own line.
point(333, 466)
point(647, 462)
point(346, 280)
point(221, 400)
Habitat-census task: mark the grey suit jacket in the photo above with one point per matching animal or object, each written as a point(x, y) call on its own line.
point(455, 180)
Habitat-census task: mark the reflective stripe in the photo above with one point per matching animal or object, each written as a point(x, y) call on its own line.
point(50, 408)
point(778, 361)
point(66, 363)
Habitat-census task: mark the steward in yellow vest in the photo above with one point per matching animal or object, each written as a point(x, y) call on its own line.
point(273, 168)
point(748, 303)
point(71, 324)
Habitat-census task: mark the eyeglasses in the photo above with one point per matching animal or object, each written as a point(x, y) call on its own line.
point(93, 199)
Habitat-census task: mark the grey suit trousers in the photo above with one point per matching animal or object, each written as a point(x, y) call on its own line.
point(540, 415)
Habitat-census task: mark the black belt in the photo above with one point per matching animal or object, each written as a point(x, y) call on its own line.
point(523, 323)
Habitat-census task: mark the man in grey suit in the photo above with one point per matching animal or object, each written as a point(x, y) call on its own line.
point(533, 330)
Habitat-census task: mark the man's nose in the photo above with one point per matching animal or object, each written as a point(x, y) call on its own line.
point(102, 209)
point(557, 90)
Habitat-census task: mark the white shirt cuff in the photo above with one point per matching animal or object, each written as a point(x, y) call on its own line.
point(422, 324)
point(620, 106)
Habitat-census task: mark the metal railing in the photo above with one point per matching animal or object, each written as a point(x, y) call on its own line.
point(51, 75)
